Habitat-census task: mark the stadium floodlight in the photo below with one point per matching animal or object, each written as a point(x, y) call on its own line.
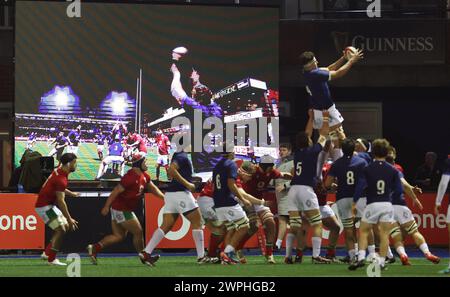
point(119, 104)
point(61, 98)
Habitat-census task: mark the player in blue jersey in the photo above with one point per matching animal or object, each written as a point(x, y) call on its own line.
point(226, 203)
point(74, 140)
point(60, 143)
point(345, 172)
point(404, 218)
point(443, 184)
point(316, 80)
point(115, 155)
point(31, 140)
point(100, 139)
point(301, 196)
point(382, 181)
point(178, 199)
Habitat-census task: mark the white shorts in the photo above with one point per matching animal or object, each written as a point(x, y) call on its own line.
point(100, 148)
point(402, 214)
point(179, 202)
point(283, 204)
point(72, 149)
point(360, 206)
point(111, 159)
point(230, 213)
point(206, 205)
point(344, 207)
point(378, 212)
point(335, 117)
point(163, 160)
point(302, 198)
point(121, 216)
point(260, 208)
point(30, 144)
point(326, 211)
point(52, 216)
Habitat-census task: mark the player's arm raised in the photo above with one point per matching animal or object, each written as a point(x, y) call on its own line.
point(309, 124)
point(117, 190)
point(335, 74)
point(155, 190)
point(253, 200)
point(60, 200)
point(338, 64)
point(173, 172)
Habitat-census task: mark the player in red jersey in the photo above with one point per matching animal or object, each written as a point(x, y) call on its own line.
point(163, 143)
point(52, 208)
point(138, 142)
point(121, 203)
point(256, 185)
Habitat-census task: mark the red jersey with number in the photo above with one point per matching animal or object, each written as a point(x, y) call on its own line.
point(259, 182)
point(134, 185)
point(56, 182)
point(163, 147)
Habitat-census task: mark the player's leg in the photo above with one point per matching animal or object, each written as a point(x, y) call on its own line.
point(397, 237)
point(282, 228)
point(364, 230)
point(134, 227)
point(158, 166)
point(315, 220)
point(56, 243)
point(175, 87)
point(102, 168)
point(119, 233)
point(346, 215)
point(385, 228)
point(253, 228)
point(412, 229)
point(217, 236)
point(195, 219)
point(332, 224)
point(169, 220)
point(52, 153)
point(266, 217)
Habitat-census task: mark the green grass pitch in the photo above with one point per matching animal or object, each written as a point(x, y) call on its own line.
point(88, 162)
point(181, 266)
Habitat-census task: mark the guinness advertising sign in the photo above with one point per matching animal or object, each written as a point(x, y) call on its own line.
point(396, 42)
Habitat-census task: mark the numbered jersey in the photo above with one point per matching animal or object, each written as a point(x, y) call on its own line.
point(134, 185)
point(305, 165)
point(382, 180)
point(347, 171)
point(224, 170)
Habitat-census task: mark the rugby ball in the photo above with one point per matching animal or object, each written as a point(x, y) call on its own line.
point(181, 50)
point(349, 52)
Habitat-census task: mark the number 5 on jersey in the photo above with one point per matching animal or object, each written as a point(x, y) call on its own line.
point(298, 169)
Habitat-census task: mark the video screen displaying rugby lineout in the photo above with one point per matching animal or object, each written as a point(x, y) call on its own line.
point(108, 84)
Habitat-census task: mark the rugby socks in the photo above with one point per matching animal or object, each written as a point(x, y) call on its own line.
point(158, 235)
point(269, 249)
point(52, 255)
point(197, 234)
point(229, 249)
point(98, 247)
point(390, 255)
point(289, 244)
point(424, 248)
point(279, 243)
point(401, 251)
point(352, 253)
point(214, 242)
point(316, 243)
point(371, 249)
point(361, 255)
point(244, 241)
point(299, 253)
point(48, 248)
